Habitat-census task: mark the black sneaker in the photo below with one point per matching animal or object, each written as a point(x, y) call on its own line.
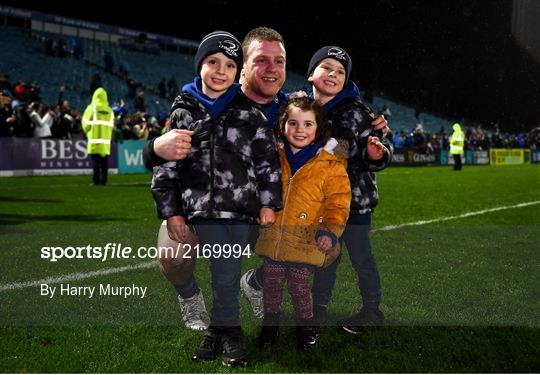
point(366, 318)
point(209, 347)
point(307, 336)
point(232, 343)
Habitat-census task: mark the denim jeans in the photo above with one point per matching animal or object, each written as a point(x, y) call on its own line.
point(225, 270)
point(356, 237)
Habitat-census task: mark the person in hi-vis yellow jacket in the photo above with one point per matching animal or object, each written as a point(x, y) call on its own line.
point(98, 125)
point(457, 140)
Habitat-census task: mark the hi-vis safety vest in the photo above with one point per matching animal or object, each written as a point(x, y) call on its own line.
point(98, 124)
point(457, 140)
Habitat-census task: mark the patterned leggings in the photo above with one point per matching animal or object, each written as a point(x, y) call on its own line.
point(297, 277)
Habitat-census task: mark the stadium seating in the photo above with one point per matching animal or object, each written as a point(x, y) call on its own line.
point(23, 57)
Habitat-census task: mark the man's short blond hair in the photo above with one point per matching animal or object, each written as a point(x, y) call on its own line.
point(261, 33)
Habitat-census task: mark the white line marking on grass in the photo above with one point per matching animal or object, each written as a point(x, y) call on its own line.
point(446, 218)
point(110, 271)
point(75, 276)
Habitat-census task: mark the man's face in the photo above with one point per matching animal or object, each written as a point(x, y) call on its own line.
point(263, 73)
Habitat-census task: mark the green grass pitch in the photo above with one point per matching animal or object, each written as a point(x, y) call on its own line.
point(461, 293)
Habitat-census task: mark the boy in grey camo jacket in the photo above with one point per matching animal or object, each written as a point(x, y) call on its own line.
point(230, 179)
point(349, 119)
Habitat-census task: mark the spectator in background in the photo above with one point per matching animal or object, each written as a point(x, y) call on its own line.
point(76, 132)
point(533, 138)
point(64, 121)
point(42, 120)
point(140, 126)
point(418, 138)
point(155, 128)
point(35, 92)
point(457, 140)
point(21, 91)
point(6, 120)
point(399, 139)
point(126, 128)
point(22, 126)
point(163, 121)
point(521, 139)
point(120, 109)
point(63, 103)
point(98, 124)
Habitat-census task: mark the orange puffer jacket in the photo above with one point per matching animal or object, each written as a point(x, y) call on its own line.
point(318, 196)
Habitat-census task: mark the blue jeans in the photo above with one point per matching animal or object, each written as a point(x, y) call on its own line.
point(225, 270)
point(356, 237)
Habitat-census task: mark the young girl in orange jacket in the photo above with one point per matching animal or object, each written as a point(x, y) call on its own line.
point(316, 200)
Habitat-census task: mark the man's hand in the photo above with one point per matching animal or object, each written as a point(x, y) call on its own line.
point(375, 148)
point(173, 145)
point(177, 228)
point(380, 123)
point(266, 217)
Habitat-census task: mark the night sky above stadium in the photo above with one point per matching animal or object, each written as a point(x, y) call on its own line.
point(457, 59)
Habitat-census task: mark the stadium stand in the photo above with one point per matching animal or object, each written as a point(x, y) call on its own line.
point(26, 56)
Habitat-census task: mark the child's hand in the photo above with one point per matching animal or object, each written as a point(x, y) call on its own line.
point(266, 217)
point(177, 228)
point(324, 243)
point(375, 148)
point(380, 123)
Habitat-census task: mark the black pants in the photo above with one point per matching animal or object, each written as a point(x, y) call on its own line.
point(457, 162)
point(100, 164)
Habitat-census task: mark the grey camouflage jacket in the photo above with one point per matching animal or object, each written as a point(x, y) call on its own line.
point(232, 170)
point(350, 119)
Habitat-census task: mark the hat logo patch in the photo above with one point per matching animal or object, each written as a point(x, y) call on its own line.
point(338, 53)
point(229, 46)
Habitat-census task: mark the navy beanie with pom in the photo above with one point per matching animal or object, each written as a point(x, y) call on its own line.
point(332, 52)
point(219, 41)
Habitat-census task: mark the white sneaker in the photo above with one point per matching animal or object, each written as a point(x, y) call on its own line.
point(254, 296)
point(194, 312)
